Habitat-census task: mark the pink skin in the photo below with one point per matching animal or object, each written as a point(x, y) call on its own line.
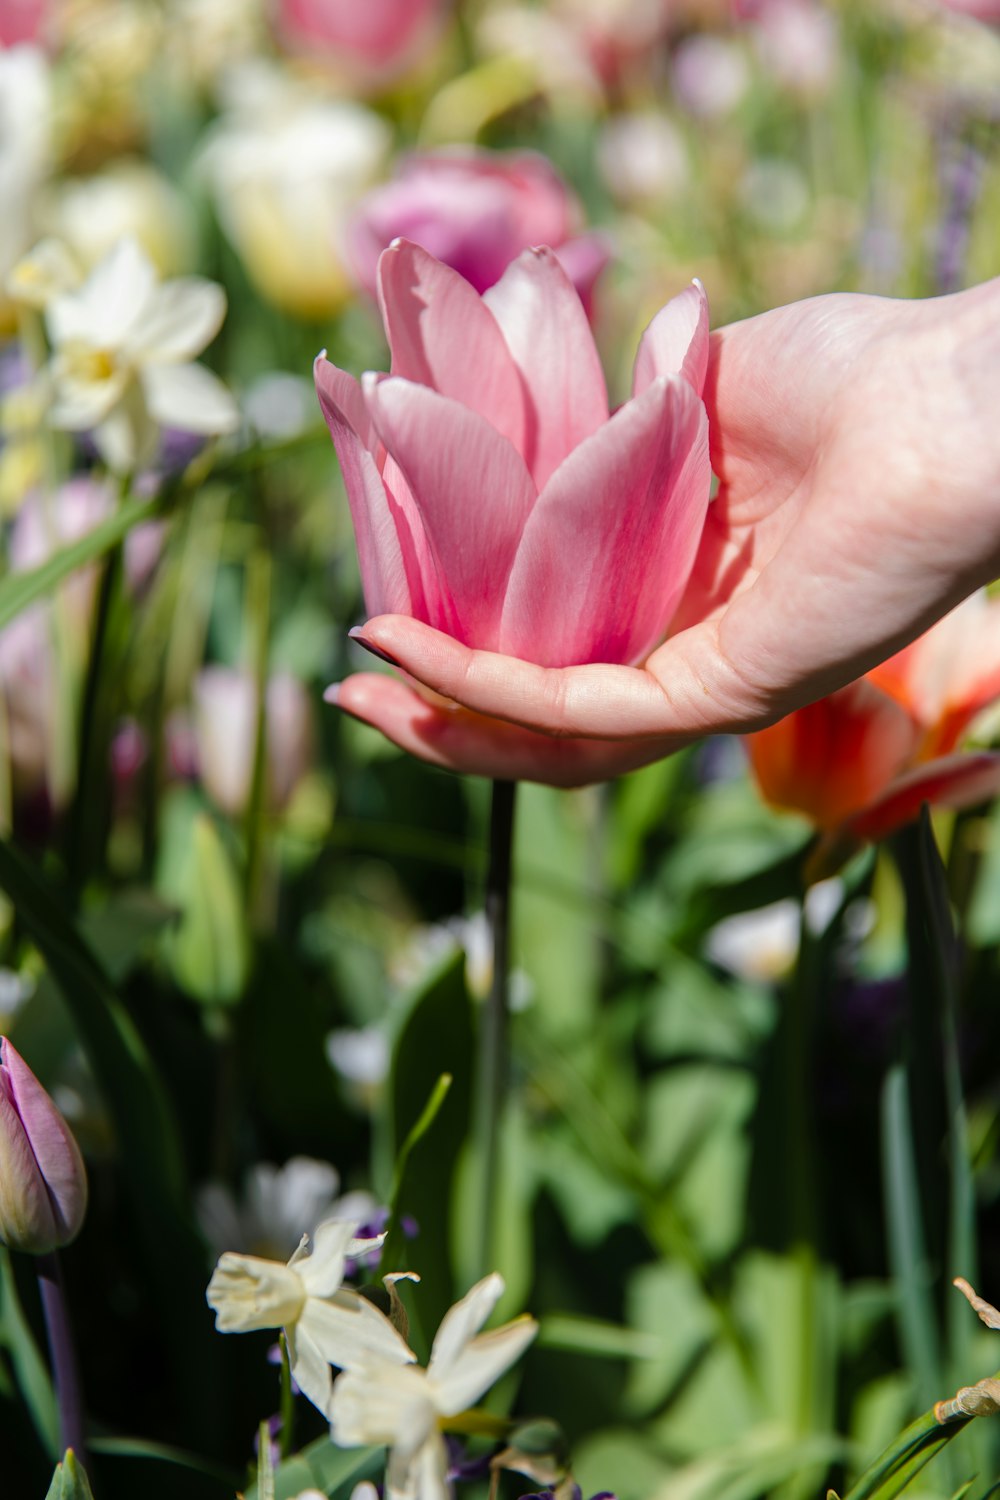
point(476, 210)
point(492, 495)
point(858, 452)
point(43, 1185)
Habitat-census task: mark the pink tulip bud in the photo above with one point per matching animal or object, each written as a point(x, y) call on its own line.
point(43, 1183)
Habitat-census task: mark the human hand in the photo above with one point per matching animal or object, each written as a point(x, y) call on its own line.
point(858, 454)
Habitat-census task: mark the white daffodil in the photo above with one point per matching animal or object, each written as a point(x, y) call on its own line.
point(325, 1323)
point(122, 351)
point(276, 1204)
point(387, 1402)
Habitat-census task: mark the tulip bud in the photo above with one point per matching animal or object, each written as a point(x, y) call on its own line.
point(43, 1184)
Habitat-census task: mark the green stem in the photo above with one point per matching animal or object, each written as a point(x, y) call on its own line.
point(63, 1351)
point(915, 1446)
point(287, 1401)
point(88, 803)
point(493, 1065)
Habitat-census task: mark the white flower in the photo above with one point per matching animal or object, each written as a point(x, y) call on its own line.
point(122, 350)
point(386, 1402)
point(278, 1205)
point(325, 1323)
point(25, 131)
point(286, 165)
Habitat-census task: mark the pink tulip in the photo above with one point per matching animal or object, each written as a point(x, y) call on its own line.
point(383, 36)
point(225, 728)
point(43, 1184)
point(492, 496)
point(22, 21)
point(981, 10)
point(476, 211)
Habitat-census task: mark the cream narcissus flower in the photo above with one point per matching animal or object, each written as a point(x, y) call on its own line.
point(387, 1401)
point(325, 1323)
point(122, 350)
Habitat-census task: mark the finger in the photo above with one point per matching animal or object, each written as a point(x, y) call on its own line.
point(599, 701)
point(457, 740)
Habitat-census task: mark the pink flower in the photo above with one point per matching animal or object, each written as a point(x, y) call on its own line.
point(981, 10)
point(383, 36)
point(43, 1184)
point(492, 495)
point(22, 21)
point(476, 211)
point(225, 726)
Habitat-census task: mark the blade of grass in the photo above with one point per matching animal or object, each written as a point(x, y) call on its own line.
point(18, 590)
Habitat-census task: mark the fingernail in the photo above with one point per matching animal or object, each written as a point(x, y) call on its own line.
point(356, 635)
point(331, 695)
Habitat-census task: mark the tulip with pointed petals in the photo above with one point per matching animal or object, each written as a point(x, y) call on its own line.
point(43, 1184)
point(493, 496)
point(861, 762)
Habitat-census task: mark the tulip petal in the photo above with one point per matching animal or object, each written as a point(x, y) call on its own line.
point(546, 329)
point(442, 336)
point(608, 548)
point(954, 781)
point(51, 1141)
point(835, 756)
point(473, 494)
point(675, 342)
point(384, 574)
point(27, 1218)
point(948, 675)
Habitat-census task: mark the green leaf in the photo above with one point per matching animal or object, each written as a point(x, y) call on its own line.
point(322, 1466)
point(393, 1246)
point(209, 949)
point(18, 590)
point(907, 1252)
point(435, 1037)
point(144, 1125)
point(29, 1367)
point(70, 1482)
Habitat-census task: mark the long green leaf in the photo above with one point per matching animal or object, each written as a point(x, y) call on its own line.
point(18, 590)
point(394, 1238)
point(32, 1376)
point(144, 1124)
point(907, 1247)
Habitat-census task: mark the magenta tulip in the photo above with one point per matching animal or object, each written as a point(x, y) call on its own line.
point(492, 495)
point(43, 1185)
point(476, 210)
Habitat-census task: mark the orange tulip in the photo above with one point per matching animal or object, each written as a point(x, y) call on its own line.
point(861, 762)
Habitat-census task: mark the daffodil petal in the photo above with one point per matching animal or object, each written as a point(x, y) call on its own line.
point(480, 1364)
point(183, 316)
point(461, 1322)
point(189, 397)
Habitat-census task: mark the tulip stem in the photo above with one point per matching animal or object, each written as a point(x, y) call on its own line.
point(63, 1354)
point(493, 1022)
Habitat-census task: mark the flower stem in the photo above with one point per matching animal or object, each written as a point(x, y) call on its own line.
point(493, 1024)
point(287, 1400)
point(63, 1354)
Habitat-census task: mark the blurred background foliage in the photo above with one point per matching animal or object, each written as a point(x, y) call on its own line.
point(752, 1134)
